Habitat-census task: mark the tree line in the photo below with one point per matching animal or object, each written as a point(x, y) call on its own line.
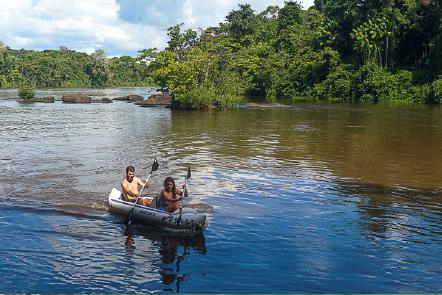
point(68, 68)
point(354, 50)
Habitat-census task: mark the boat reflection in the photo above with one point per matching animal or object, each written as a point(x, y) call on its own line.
point(166, 253)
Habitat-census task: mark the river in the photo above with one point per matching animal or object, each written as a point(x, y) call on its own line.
point(315, 198)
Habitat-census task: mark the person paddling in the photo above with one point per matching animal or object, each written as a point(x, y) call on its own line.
point(168, 196)
point(130, 187)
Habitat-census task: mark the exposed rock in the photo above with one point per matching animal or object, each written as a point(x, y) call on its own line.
point(268, 105)
point(160, 96)
point(156, 100)
point(106, 100)
point(48, 99)
point(76, 98)
point(103, 100)
point(120, 98)
point(130, 98)
point(135, 98)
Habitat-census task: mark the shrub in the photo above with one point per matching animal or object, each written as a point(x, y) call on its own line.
point(436, 90)
point(26, 92)
point(337, 86)
point(400, 87)
point(370, 83)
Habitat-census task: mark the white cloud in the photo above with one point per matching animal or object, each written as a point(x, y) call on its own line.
point(188, 12)
point(21, 41)
point(119, 27)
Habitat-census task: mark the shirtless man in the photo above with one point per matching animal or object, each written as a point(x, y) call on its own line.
point(130, 187)
point(168, 196)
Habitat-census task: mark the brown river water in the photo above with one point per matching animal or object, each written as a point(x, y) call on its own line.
point(314, 198)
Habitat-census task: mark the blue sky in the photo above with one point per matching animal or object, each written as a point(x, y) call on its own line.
point(119, 27)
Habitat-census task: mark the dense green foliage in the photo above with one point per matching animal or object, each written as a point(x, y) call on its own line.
point(68, 68)
point(337, 50)
point(26, 92)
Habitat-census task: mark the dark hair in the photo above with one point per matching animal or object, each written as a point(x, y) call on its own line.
point(130, 168)
point(170, 179)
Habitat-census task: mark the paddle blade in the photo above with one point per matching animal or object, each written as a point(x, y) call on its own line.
point(178, 222)
point(188, 173)
point(128, 219)
point(155, 165)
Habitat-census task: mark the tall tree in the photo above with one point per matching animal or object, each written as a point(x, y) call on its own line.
point(99, 68)
point(241, 24)
point(289, 15)
point(180, 42)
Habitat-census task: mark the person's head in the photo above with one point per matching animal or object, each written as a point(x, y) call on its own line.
point(130, 172)
point(169, 185)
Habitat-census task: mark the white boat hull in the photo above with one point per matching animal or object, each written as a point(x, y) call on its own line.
point(192, 222)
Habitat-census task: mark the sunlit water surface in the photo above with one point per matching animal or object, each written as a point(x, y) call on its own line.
point(316, 198)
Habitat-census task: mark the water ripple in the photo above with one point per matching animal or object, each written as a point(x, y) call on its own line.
point(299, 194)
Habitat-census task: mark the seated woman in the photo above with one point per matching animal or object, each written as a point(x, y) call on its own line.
point(168, 196)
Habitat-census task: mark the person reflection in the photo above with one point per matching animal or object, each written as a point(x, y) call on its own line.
point(169, 274)
point(130, 244)
point(168, 252)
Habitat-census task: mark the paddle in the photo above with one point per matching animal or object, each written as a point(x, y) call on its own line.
point(128, 220)
point(178, 222)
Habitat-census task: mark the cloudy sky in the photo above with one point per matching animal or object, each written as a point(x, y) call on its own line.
point(119, 27)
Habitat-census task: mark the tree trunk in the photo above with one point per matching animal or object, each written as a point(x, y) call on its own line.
point(386, 55)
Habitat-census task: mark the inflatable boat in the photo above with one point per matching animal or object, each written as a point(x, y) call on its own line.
point(191, 222)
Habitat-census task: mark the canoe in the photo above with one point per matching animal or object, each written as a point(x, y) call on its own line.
point(191, 223)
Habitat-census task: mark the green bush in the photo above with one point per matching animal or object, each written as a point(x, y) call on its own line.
point(211, 96)
point(436, 90)
point(374, 83)
point(337, 86)
point(400, 87)
point(370, 83)
point(26, 92)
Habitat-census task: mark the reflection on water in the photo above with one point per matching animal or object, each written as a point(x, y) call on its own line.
point(73, 252)
point(398, 214)
point(321, 198)
point(168, 247)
